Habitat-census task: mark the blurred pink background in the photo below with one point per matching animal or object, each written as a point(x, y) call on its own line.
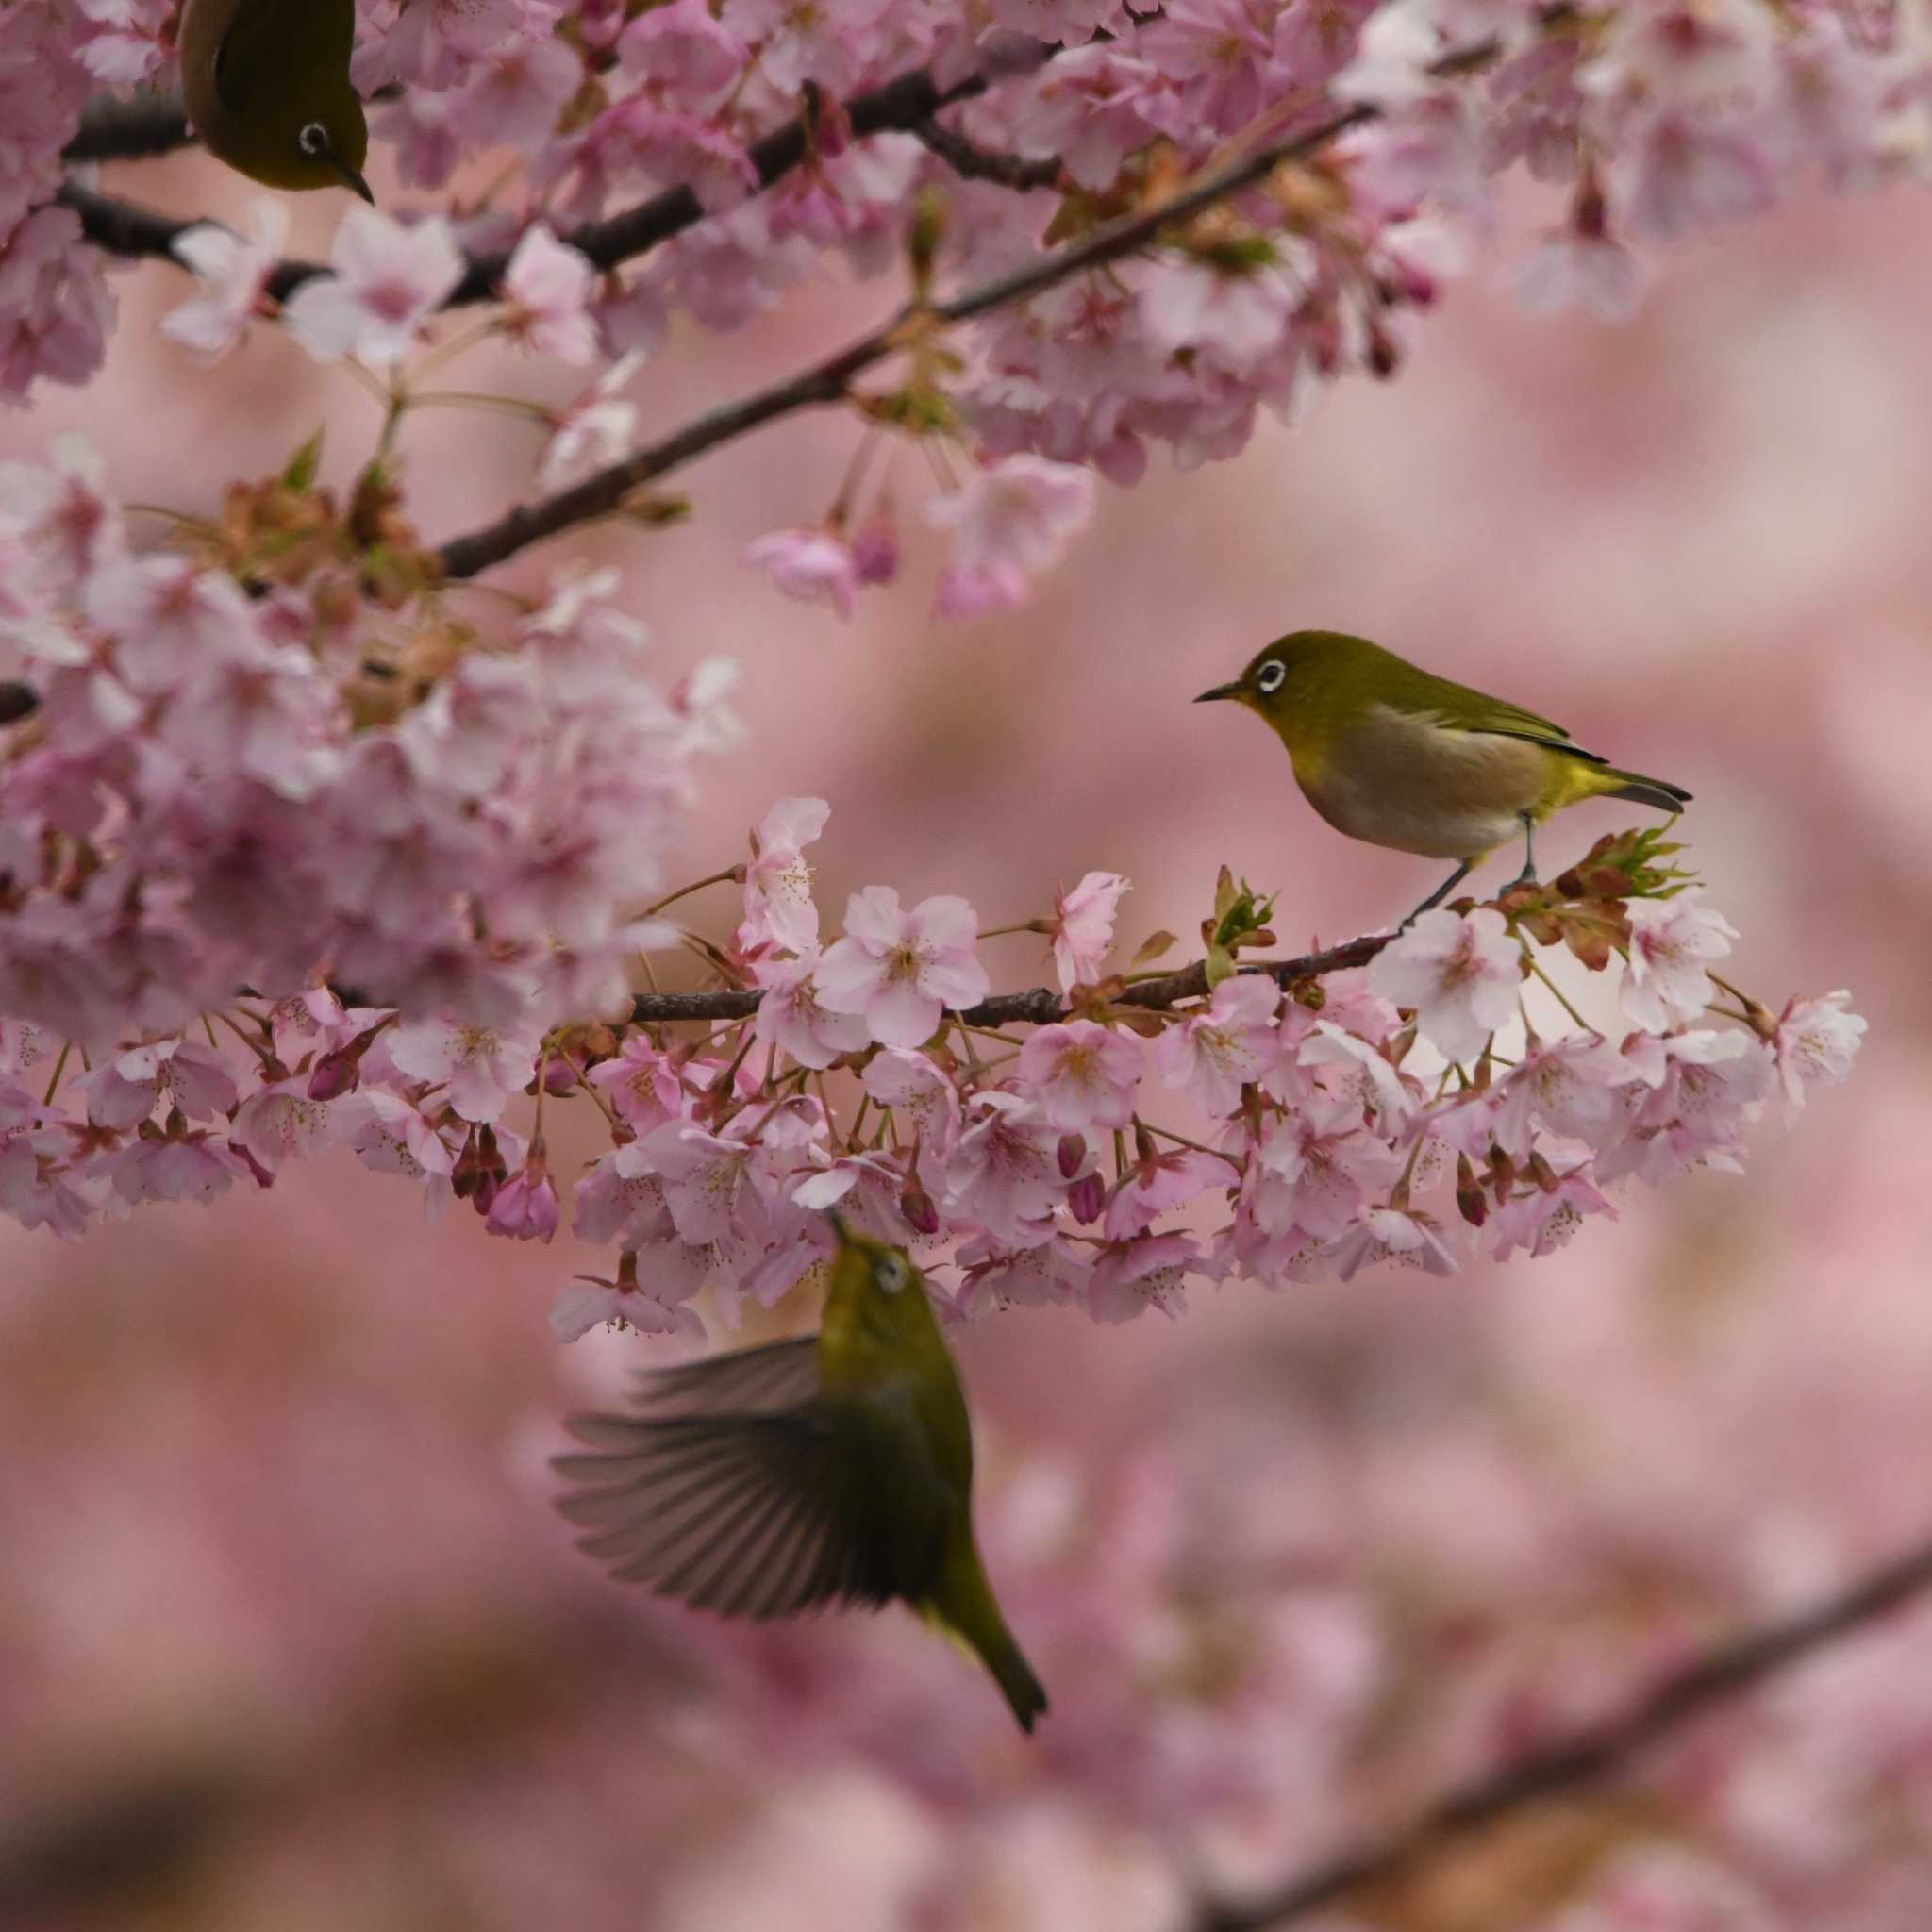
point(288, 1634)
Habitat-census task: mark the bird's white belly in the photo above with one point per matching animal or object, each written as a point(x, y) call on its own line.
point(1414, 785)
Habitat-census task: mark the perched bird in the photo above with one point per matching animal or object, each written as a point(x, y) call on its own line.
point(267, 86)
point(1393, 756)
point(836, 1468)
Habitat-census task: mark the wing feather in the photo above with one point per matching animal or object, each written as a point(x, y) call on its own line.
point(739, 1487)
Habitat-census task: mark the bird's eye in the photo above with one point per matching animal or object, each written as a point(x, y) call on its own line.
point(314, 139)
point(891, 1272)
point(1271, 676)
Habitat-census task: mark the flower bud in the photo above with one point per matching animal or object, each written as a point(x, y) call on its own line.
point(1073, 1155)
point(1087, 1197)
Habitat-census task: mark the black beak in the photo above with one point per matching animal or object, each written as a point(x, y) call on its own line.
point(352, 180)
point(1220, 690)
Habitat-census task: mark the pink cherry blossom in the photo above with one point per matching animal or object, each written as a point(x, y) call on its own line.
point(1161, 1181)
point(1215, 1051)
point(792, 1018)
point(233, 274)
point(549, 288)
point(1083, 1074)
point(1665, 983)
point(1010, 522)
point(901, 969)
point(814, 566)
point(596, 430)
point(778, 906)
point(1458, 972)
point(1083, 927)
point(1132, 1276)
point(386, 280)
point(1394, 1235)
point(482, 1066)
point(1543, 1219)
point(526, 1208)
point(1816, 1041)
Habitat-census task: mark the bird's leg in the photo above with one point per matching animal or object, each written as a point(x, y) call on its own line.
point(1527, 875)
point(1441, 892)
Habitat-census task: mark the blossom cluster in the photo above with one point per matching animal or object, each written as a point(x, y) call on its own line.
point(287, 863)
point(226, 794)
point(1654, 118)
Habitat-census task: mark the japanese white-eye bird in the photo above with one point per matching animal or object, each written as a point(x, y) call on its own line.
point(267, 88)
point(837, 1468)
point(1389, 754)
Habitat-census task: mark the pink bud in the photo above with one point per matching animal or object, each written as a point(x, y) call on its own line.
point(560, 1077)
point(916, 1205)
point(1087, 1197)
point(525, 1208)
point(1073, 1155)
point(335, 1074)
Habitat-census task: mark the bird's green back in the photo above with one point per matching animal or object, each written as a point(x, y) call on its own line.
point(1332, 678)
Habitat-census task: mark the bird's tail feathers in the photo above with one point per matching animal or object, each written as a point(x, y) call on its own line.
point(964, 1607)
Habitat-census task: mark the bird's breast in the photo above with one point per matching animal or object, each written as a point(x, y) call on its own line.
point(1410, 782)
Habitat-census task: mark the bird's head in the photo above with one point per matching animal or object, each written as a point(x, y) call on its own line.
point(1270, 681)
point(867, 1262)
point(314, 135)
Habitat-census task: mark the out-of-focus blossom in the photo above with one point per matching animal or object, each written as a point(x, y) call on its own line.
point(814, 566)
point(1010, 522)
point(385, 282)
point(549, 288)
point(233, 271)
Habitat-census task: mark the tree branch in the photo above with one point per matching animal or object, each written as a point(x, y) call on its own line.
point(902, 105)
point(112, 129)
point(1042, 1005)
point(967, 159)
point(1593, 1753)
point(828, 381)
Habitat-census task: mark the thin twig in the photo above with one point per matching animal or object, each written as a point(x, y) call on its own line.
point(1591, 1755)
point(966, 158)
point(604, 493)
point(1040, 1007)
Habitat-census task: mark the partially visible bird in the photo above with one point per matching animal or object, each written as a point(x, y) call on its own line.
point(268, 90)
point(832, 1469)
point(1394, 756)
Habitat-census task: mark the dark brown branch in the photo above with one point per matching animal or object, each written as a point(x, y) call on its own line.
point(1593, 1753)
point(828, 382)
point(966, 158)
point(112, 129)
point(904, 103)
point(1040, 1006)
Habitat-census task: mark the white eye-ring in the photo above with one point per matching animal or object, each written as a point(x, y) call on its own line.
point(314, 139)
point(1271, 676)
point(891, 1272)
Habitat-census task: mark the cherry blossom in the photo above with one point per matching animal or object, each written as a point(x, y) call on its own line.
point(1083, 925)
point(1084, 1075)
point(814, 566)
point(1670, 940)
point(387, 279)
point(233, 272)
point(901, 968)
point(1458, 972)
point(1010, 522)
point(779, 909)
point(548, 288)
point(1214, 1051)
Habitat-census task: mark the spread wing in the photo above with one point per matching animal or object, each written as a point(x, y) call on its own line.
point(740, 1489)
